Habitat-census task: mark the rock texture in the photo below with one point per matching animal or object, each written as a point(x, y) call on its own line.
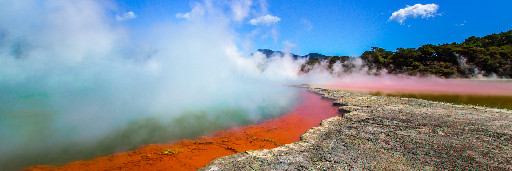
point(390, 133)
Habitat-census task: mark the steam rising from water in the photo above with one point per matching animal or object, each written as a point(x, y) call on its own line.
point(75, 83)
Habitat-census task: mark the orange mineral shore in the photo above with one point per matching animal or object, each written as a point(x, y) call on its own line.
point(194, 154)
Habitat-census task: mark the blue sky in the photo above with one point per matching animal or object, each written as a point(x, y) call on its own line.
point(347, 27)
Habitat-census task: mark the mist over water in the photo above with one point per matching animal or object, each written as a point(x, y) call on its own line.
point(75, 83)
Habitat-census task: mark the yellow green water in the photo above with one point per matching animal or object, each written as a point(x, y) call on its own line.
point(502, 102)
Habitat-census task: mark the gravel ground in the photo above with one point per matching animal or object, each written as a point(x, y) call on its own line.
point(391, 133)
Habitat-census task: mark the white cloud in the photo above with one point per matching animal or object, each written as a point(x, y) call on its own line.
point(241, 9)
point(265, 20)
point(183, 15)
point(308, 26)
point(198, 11)
point(461, 24)
point(425, 11)
point(263, 6)
point(288, 46)
point(126, 16)
point(274, 34)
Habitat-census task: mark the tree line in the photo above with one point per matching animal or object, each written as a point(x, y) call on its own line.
point(490, 55)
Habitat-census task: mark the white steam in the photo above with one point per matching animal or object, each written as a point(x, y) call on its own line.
point(75, 83)
point(71, 75)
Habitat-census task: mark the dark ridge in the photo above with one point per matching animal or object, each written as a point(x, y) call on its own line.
point(312, 56)
point(342, 111)
point(338, 104)
point(270, 53)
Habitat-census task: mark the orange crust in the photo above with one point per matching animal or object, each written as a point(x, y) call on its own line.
point(194, 154)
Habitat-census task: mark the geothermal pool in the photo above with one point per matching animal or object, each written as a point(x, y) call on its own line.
point(194, 154)
point(488, 93)
point(298, 117)
point(43, 127)
point(493, 101)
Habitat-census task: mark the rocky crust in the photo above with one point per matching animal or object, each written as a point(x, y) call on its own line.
point(391, 133)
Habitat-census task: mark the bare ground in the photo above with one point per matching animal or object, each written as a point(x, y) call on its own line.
point(391, 133)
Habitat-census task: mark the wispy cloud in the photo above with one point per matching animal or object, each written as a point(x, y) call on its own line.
point(126, 16)
point(198, 11)
point(461, 24)
point(288, 46)
point(418, 10)
point(183, 15)
point(307, 24)
point(241, 9)
point(265, 20)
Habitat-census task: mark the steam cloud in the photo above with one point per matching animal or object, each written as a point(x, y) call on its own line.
point(76, 84)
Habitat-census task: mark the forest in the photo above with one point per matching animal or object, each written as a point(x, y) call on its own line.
point(488, 56)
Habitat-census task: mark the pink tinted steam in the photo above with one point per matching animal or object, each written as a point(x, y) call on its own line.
point(423, 85)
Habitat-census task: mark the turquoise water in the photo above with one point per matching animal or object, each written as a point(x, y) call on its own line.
point(35, 131)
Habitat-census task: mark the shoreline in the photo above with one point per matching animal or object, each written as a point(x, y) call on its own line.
point(424, 86)
point(194, 154)
point(394, 133)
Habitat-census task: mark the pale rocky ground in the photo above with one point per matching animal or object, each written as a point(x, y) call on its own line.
point(391, 133)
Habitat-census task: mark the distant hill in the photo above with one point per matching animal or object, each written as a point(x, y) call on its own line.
point(270, 53)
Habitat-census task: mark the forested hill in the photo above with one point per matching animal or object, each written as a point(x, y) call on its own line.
point(490, 55)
